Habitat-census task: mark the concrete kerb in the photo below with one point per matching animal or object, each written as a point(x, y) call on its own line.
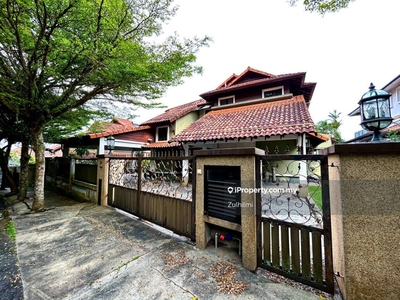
point(84, 251)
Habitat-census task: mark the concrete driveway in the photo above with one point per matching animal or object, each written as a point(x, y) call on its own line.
point(84, 251)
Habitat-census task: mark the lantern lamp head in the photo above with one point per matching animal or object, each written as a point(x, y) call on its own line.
point(110, 143)
point(375, 111)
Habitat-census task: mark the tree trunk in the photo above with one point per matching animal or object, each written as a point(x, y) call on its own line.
point(38, 147)
point(4, 157)
point(23, 179)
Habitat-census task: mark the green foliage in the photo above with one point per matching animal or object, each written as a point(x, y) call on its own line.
point(11, 230)
point(97, 126)
point(70, 123)
point(58, 55)
point(393, 135)
point(81, 151)
point(323, 6)
point(331, 126)
point(16, 156)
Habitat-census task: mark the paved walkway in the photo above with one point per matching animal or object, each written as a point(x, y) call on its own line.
point(84, 251)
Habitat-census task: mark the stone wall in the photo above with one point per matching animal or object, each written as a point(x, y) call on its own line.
point(365, 206)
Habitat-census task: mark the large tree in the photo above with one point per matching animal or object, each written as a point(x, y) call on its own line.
point(323, 6)
point(57, 55)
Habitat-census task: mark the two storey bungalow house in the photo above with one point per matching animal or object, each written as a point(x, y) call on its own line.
point(255, 109)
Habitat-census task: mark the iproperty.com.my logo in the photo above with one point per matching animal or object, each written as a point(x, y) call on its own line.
point(242, 190)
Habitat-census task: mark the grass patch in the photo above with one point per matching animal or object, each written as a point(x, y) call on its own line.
point(316, 193)
point(11, 230)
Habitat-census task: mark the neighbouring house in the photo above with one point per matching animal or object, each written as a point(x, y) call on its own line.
point(393, 87)
point(165, 126)
point(129, 138)
point(255, 109)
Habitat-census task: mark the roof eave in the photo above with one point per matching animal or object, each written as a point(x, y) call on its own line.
point(256, 83)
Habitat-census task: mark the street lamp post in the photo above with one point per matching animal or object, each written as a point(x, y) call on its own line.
point(375, 111)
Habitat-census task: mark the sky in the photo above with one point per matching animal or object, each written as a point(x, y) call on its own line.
point(342, 52)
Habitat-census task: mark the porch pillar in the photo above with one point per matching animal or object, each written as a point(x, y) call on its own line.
point(365, 216)
point(101, 146)
point(102, 180)
point(185, 167)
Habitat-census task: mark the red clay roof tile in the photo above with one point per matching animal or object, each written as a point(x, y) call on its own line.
point(116, 127)
point(158, 145)
point(282, 117)
point(172, 114)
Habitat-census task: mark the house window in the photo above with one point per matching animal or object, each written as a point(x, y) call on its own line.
point(397, 95)
point(226, 100)
point(272, 92)
point(162, 134)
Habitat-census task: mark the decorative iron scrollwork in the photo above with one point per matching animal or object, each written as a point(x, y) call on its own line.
point(291, 191)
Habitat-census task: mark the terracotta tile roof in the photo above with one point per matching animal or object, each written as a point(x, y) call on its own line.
point(116, 127)
point(320, 136)
point(172, 114)
point(158, 145)
point(289, 116)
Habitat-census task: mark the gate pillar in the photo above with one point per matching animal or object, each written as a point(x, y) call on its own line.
point(245, 158)
point(365, 217)
point(102, 180)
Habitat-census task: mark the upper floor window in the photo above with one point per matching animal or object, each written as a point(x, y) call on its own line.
point(272, 92)
point(397, 95)
point(226, 100)
point(162, 134)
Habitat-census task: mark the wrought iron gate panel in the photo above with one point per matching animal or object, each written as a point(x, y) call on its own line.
point(295, 225)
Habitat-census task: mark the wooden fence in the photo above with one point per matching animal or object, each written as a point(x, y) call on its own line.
point(172, 213)
point(154, 189)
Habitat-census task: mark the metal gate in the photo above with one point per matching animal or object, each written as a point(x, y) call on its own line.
point(295, 227)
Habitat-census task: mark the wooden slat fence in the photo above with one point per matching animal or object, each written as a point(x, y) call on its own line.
point(151, 188)
point(172, 213)
point(294, 251)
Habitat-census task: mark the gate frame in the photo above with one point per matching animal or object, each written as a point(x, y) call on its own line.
point(326, 217)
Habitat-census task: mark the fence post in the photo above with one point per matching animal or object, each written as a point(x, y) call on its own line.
point(102, 179)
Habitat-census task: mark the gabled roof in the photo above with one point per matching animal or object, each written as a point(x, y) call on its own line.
point(265, 119)
point(172, 114)
point(252, 77)
point(249, 73)
point(117, 126)
point(228, 81)
point(392, 83)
